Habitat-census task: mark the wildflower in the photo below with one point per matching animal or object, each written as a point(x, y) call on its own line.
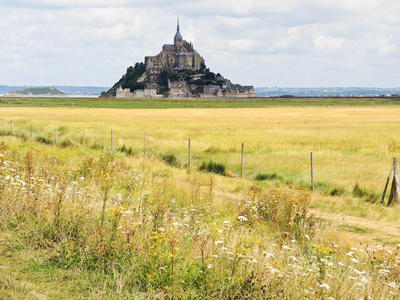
point(325, 286)
point(242, 218)
point(307, 236)
point(209, 266)
point(286, 248)
point(354, 260)
point(218, 242)
point(363, 280)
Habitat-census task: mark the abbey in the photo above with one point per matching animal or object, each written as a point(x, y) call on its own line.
point(179, 56)
point(178, 71)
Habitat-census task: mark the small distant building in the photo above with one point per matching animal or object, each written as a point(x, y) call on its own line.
point(228, 90)
point(149, 92)
point(211, 91)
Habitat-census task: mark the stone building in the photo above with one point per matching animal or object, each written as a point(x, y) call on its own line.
point(179, 56)
point(148, 92)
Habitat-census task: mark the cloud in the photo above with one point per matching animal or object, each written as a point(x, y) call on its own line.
point(280, 42)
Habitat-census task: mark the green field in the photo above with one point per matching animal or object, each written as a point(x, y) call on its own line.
point(190, 103)
point(87, 222)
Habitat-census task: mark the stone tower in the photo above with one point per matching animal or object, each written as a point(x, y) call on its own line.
point(179, 56)
point(178, 40)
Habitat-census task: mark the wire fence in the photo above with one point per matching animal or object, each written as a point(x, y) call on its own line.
point(24, 133)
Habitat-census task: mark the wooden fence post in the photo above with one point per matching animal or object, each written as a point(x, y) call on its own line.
point(112, 139)
point(190, 154)
point(386, 185)
point(241, 173)
point(395, 191)
point(145, 143)
point(312, 171)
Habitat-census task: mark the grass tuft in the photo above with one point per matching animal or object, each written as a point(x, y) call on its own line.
point(268, 176)
point(170, 159)
point(213, 167)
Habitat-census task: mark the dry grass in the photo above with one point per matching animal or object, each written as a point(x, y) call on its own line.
point(141, 227)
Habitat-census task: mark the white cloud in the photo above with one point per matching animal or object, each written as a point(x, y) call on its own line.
point(280, 42)
point(328, 43)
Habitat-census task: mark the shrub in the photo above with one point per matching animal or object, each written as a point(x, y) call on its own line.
point(267, 176)
point(44, 140)
point(213, 167)
point(126, 150)
point(66, 144)
point(170, 159)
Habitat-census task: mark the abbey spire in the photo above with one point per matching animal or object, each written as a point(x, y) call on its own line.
point(178, 40)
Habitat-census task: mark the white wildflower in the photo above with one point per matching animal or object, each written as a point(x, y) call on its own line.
point(364, 280)
point(325, 286)
point(242, 218)
point(286, 248)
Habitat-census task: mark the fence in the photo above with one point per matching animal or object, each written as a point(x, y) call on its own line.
point(393, 197)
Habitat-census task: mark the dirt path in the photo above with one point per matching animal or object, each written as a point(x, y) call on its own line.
point(369, 230)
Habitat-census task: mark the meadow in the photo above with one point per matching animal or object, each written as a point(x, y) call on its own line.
point(192, 103)
point(121, 224)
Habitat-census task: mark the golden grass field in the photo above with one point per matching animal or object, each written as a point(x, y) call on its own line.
point(351, 145)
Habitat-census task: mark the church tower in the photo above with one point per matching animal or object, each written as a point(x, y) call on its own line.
point(178, 40)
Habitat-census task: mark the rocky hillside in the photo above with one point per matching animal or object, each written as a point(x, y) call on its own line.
point(196, 80)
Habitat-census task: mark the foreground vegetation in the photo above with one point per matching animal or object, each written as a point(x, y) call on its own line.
point(88, 222)
point(138, 228)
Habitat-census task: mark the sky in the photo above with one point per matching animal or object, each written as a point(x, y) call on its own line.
point(264, 43)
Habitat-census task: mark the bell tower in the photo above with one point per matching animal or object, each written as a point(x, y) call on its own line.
point(178, 40)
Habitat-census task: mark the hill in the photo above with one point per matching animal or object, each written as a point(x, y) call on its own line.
point(194, 79)
point(37, 91)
